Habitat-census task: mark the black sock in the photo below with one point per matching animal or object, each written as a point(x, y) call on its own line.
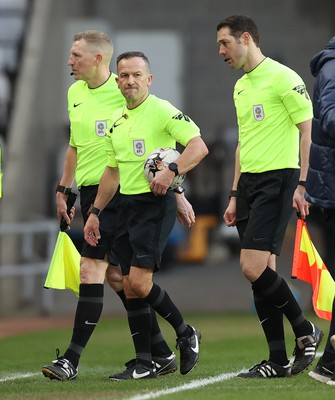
point(139, 320)
point(159, 347)
point(122, 296)
point(271, 320)
point(88, 313)
point(276, 291)
point(163, 305)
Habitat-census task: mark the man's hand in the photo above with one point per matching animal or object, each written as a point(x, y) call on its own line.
point(161, 182)
point(230, 214)
point(62, 209)
point(300, 204)
point(91, 230)
point(71, 215)
point(185, 212)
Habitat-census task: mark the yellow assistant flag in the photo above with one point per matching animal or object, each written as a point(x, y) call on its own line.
point(308, 266)
point(64, 266)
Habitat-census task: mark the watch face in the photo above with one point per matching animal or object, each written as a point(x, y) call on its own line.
point(173, 167)
point(179, 190)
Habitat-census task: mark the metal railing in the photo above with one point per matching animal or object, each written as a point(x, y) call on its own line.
point(33, 265)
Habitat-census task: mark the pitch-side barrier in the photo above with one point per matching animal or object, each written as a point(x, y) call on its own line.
point(35, 263)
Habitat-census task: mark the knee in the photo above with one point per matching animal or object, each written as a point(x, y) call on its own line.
point(114, 278)
point(246, 271)
point(253, 263)
point(92, 271)
point(85, 273)
point(126, 288)
point(136, 289)
point(249, 270)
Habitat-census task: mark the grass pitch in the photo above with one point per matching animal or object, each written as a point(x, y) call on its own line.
point(230, 343)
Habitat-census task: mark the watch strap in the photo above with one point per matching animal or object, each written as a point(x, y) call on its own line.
point(94, 210)
point(63, 189)
point(232, 193)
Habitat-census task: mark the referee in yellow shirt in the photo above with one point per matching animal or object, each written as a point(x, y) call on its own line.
point(272, 107)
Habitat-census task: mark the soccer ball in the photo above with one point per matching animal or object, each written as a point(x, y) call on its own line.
point(158, 160)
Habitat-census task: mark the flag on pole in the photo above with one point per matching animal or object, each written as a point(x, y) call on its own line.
point(308, 266)
point(64, 267)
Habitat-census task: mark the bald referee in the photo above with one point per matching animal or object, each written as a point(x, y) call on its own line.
point(273, 107)
point(148, 211)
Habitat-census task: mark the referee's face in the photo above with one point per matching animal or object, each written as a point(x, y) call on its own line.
point(82, 61)
point(134, 80)
point(232, 49)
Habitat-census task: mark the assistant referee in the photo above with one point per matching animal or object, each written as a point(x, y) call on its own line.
point(273, 107)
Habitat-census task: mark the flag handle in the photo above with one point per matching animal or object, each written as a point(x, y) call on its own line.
point(70, 203)
point(296, 252)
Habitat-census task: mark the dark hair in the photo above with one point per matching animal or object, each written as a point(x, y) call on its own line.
point(238, 24)
point(131, 54)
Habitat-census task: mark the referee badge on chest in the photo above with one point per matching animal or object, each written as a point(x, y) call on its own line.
point(100, 128)
point(139, 147)
point(258, 112)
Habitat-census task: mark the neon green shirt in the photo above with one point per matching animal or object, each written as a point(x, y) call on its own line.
point(90, 112)
point(270, 100)
point(137, 132)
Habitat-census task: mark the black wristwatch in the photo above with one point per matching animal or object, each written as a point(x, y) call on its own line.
point(179, 189)
point(174, 167)
point(94, 210)
point(63, 189)
point(232, 193)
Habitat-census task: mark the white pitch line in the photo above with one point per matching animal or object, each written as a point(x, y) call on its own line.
point(191, 385)
point(187, 386)
point(19, 376)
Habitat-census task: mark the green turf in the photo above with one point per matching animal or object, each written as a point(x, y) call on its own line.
point(230, 343)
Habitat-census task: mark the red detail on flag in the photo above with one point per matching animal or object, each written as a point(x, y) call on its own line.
point(308, 266)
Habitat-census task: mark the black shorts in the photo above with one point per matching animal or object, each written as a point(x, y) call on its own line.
point(144, 224)
point(107, 220)
point(264, 207)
